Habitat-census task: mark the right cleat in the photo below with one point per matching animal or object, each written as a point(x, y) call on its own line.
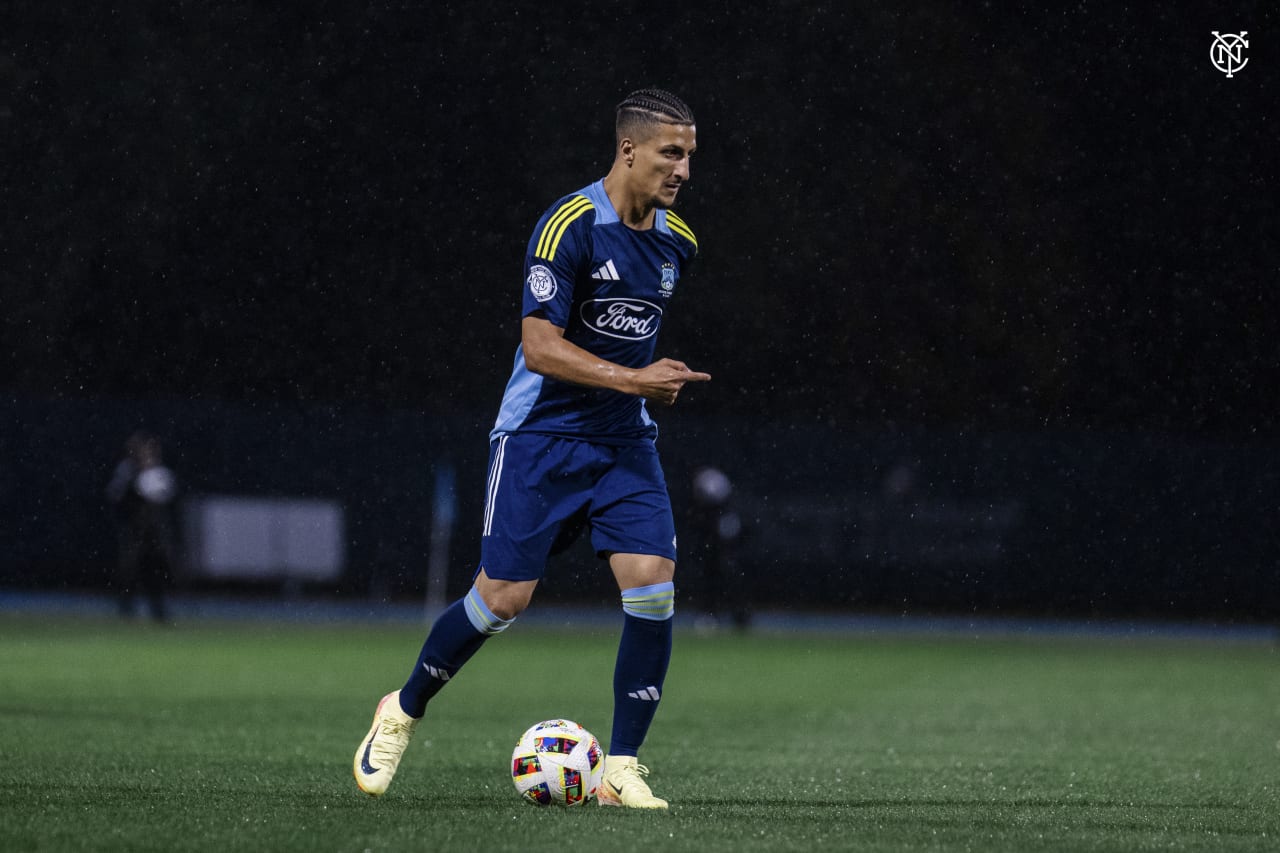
point(381, 750)
point(623, 785)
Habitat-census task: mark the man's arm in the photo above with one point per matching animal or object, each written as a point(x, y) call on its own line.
point(121, 478)
point(546, 352)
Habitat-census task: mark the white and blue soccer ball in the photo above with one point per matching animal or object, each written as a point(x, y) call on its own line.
point(557, 763)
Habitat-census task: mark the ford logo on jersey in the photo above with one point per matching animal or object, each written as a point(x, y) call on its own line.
point(629, 319)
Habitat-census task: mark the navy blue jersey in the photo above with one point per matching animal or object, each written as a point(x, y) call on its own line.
point(608, 287)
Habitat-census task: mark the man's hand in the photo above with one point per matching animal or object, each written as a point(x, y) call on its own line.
point(547, 353)
point(661, 381)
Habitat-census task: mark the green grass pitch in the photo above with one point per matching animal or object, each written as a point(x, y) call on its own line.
point(227, 736)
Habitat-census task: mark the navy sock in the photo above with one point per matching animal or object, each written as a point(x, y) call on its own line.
point(643, 656)
point(457, 635)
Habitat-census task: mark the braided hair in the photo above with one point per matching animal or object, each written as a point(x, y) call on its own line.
point(644, 109)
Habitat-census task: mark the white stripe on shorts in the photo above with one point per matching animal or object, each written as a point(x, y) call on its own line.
point(491, 492)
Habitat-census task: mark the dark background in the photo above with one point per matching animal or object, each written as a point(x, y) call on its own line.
point(958, 223)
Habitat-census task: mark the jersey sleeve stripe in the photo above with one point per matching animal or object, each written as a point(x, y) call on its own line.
point(558, 224)
point(567, 220)
point(677, 225)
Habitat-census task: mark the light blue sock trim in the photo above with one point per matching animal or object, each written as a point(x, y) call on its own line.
point(656, 602)
point(481, 617)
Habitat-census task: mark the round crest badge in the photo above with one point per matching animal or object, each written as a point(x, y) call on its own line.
point(1227, 52)
point(668, 282)
point(542, 283)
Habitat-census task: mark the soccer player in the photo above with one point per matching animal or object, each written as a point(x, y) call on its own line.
point(573, 445)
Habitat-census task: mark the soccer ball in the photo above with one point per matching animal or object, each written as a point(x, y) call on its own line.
point(557, 762)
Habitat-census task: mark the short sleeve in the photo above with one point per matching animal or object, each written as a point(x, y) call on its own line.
point(557, 249)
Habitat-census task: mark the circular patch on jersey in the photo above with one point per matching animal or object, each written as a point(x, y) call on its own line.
point(542, 283)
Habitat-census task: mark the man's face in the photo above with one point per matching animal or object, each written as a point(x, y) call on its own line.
point(662, 162)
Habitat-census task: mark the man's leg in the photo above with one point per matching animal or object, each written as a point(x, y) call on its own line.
point(487, 609)
point(644, 652)
point(126, 577)
point(537, 484)
point(153, 576)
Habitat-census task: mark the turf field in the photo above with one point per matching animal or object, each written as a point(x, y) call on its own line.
point(239, 736)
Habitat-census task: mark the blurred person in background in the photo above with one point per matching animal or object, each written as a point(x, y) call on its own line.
point(142, 492)
point(715, 529)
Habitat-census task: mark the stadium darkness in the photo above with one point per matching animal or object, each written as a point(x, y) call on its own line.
point(935, 217)
point(988, 297)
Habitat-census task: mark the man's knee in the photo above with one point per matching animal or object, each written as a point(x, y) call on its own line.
point(506, 599)
point(635, 570)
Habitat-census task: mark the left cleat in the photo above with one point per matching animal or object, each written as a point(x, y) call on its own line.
point(623, 784)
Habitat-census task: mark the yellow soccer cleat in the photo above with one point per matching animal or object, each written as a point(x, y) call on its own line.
point(381, 750)
point(623, 784)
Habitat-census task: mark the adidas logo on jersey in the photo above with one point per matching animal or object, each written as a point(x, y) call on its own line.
point(608, 272)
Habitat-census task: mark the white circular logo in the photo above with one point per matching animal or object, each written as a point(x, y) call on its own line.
point(542, 283)
point(1227, 52)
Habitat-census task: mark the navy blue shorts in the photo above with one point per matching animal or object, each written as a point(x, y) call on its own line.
point(544, 490)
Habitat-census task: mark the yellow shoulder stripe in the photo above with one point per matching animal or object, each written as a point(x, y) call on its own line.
point(676, 224)
point(558, 224)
